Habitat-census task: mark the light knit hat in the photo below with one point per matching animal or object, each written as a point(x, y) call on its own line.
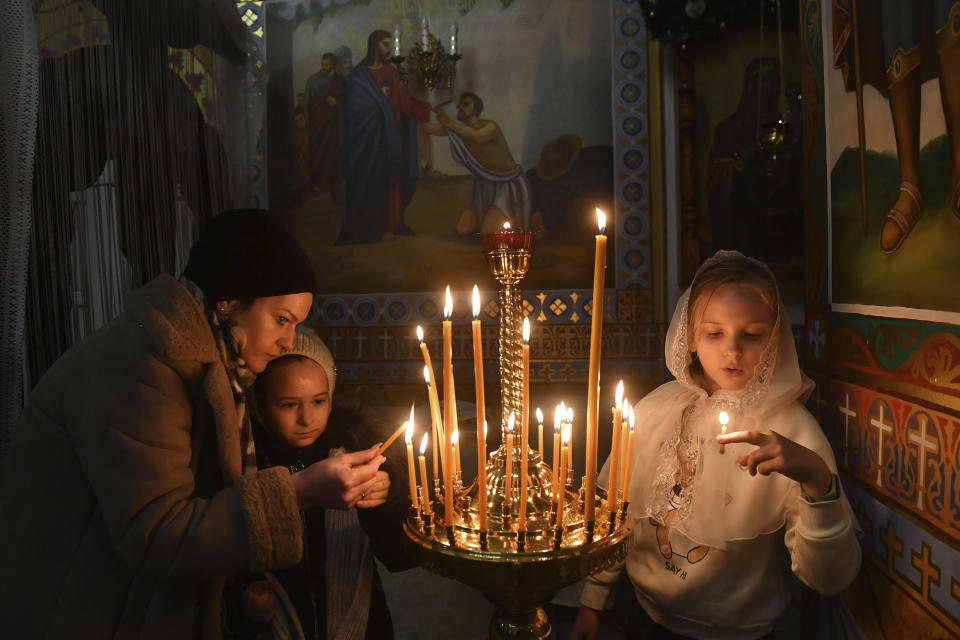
point(309, 345)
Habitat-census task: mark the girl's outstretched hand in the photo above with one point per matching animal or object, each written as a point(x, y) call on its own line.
point(777, 453)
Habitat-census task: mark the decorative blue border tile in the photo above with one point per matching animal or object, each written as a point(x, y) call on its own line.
point(926, 566)
point(631, 148)
point(559, 306)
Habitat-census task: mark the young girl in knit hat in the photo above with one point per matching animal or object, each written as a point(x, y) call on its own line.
point(725, 524)
point(334, 591)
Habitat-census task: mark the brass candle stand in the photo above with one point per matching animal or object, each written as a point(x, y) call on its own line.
point(518, 566)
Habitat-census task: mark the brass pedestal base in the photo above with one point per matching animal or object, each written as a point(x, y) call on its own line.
point(531, 624)
point(517, 583)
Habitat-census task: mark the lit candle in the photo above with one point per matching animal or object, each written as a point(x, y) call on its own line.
point(435, 425)
point(627, 408)
point(525, 425)
point(396, 40)
point(456, 451)
point(569, 415)
point(424, 29)
point(507, 479)
point(425, 506)
point(411, 471)
point(453, 38)
point(482, 482)
point(724, 419)
point(448, 470)
point(593, 377)
point(434, 399)
point(540, 432)
point(557, 421)
point(628, 461)
point(615, 451)
point(561, 497)
point(481, 409)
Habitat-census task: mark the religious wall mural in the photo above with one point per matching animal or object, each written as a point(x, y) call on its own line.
point(369, 165)
point(893, 97)
point(748, 142)
point(878, 114)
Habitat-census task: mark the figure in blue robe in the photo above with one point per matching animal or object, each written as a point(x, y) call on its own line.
point(381, 147)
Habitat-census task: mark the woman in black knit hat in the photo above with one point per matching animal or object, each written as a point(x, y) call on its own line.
point(130, 490)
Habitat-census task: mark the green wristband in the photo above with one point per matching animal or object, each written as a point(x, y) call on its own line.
point(832, 494)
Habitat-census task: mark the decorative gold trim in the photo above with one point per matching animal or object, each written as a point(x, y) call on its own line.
point(902, 65)
point(949, 34)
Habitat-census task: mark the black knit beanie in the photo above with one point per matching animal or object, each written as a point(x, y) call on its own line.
point(247, 253)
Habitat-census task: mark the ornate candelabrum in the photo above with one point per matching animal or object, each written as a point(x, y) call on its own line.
point(429, 63)
point(518, 564)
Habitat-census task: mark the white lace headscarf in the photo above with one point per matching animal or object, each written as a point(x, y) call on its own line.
point(677, 461)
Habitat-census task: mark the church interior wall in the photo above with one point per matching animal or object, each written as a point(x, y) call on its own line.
point(880, 352)
point(888, 391)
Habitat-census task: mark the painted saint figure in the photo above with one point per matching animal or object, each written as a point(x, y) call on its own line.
point(344, 60)
point(323, 103)
point(500, 189)
point(898, 46)
point(380, 147)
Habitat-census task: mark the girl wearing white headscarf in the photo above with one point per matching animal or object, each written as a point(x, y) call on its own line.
point(718, 532)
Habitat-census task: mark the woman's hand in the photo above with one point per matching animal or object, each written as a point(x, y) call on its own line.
point(258, 600)
point(338, 482)
point(587, 625)
point(377, 494)
point(780, 454)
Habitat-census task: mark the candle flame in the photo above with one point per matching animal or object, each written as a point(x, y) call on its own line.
point(539, 416)
point(626, 406)
point(557, 418)
point(619, 395)
point(601, 220)
point(455, 437)
point(408, 437)
point(426, 374)
point(569, 415)
point(526, 331)
point(510, 422)
point(476, 302)
point(506, 226)
point(419, 333)
point(724, 418)
point(423, 443)
point(447, 305)
point(632, 424)
point(566, 436)
point(411, 417)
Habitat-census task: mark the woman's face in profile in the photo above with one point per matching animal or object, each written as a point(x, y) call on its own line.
point(269, 325)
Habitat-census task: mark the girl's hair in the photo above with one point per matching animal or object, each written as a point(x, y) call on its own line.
point(737, 270)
